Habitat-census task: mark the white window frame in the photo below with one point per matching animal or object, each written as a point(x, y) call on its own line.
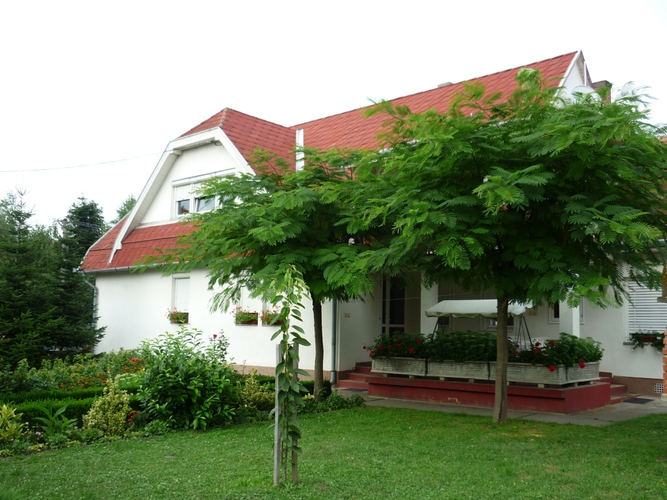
point(187, 191)
point(555, 320)
point(180, 294)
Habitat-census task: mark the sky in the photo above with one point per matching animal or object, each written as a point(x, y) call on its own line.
point(92, 92)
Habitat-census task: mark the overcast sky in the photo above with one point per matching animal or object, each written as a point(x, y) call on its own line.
point(92, 92)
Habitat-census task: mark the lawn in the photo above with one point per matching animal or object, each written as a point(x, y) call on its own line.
point(365, 453)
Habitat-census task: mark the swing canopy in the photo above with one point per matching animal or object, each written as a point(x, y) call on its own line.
point(487, 308)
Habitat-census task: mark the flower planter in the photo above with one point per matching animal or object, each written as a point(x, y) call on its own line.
point(400, 366)
point(480, 370)
point(249, 322)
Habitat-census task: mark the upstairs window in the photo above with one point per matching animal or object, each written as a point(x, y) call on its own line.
point(186, 200)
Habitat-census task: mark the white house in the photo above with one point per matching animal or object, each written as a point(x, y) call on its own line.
point(133, 306)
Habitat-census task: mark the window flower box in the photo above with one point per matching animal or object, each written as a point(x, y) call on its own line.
point(245, 317)
point(178, 317)
point(271, 318)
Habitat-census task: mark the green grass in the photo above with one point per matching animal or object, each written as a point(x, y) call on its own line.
point(365, 453)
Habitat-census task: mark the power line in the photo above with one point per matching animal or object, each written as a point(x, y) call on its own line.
point(53, 169)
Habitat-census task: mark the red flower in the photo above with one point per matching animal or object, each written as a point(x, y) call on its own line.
point(379, 348)
point(552, 368)
point(551, 342)
point(133, 360)
point(537, 344)
point(411, 350)
point(215, 336)
point(372, 353)
point(364, 348)
point(515, 353)
point(582, 364)
point(399, 345)
point(536, 351)
point(517, 345)
point(419, 341)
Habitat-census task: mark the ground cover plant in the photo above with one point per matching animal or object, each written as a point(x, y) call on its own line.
point(367, 453)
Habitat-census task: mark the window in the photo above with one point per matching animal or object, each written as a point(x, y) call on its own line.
point(186, 200)
point(181, 296)
point(644, 310)
point(554, 313)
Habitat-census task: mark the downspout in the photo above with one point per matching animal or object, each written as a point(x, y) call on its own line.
point(95, 294)
point(334, 335)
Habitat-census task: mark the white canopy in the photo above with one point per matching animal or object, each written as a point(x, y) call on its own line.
point(487, 308)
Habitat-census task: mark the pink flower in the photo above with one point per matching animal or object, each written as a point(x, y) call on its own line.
point(215, 336)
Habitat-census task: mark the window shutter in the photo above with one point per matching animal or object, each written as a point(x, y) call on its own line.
point(644, 310)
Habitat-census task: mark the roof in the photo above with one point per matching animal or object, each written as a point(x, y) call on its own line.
point(354, 130)
point(140, 242)
point(351, 129)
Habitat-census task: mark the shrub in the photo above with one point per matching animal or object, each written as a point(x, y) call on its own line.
point(187, 383)
point(256, 396)
point(55, 423)
point(109, 413)
point(11, 425)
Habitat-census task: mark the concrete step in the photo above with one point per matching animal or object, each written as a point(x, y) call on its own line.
point(617, 389)
point(361, 377)
point(619, 398)
point(352, 384)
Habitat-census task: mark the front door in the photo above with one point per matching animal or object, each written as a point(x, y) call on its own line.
point(393, 305)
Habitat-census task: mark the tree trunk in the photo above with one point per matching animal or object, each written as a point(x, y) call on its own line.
point(500, 402)
point(319, 348)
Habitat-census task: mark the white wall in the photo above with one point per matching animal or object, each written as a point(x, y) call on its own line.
point(195, 162)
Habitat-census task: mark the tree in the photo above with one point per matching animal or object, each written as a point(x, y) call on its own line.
point(124, 209)
point(46, 309)
point(530, 195)
point(264, 224)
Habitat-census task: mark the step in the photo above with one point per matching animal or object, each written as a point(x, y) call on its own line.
point(619, 398)
point(361, 377)
point(362, 368)
point(617, 389)
point(352, 384)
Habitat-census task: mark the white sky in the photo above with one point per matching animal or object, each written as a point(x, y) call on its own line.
point(94, 83)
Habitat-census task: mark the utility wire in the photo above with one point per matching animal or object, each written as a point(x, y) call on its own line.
point(53, 169)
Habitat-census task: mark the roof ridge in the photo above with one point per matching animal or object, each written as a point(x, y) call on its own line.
point(479, 77)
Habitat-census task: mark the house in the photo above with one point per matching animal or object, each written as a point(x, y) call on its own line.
point(134, 306)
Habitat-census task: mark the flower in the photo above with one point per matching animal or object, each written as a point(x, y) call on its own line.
point(411, 350)
point(538, 344)
point(244, 316)
point(582, 364)
point(404, 345)
point(552, 368)
point(215, 336)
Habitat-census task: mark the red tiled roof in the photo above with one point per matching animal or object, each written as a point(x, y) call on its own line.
point(248, 132)
point(350, 129)
point(140, 242)
point(354, 130)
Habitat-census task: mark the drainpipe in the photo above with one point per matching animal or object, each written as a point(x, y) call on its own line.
point(334, 334)
point(95, 294)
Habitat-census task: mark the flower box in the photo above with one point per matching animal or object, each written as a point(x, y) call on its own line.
point(400, 366)
point(562, 375)
point(480, 370)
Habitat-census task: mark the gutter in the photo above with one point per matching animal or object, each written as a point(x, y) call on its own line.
point(120, 269)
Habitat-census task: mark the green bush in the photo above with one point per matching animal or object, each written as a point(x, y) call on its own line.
point(267, 380)
point(11, 425)
point(109, 413)
point(51, 394)
point(76, 409)
point(186, 383)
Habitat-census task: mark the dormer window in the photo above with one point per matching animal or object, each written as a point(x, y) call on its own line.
point(186, 200)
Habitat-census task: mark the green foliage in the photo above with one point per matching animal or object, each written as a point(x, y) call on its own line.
point(567, 350)
point(653, 338)
point(109, 413)
point(406, 345)
point(71, 373)
point(462, 346)
point(254, 395)
point(76, 409)
point(187, 383)
point(11, 425)
point(333, 402)
point(55, 423)
point(46, 310)
point(124, 208)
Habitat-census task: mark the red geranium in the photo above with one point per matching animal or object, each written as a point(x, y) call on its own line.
point(582, 364)
point(552, 368)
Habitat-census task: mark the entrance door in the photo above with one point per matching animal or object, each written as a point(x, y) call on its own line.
point(393, 305)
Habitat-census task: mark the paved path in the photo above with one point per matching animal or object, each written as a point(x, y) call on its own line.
point(598, 417)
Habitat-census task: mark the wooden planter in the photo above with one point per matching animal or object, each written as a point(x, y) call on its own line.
point(480, 370)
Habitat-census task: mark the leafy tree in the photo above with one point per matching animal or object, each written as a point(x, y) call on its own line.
point(264, 224)
point(82, 227)
point(124, 209)
point(529, 195)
